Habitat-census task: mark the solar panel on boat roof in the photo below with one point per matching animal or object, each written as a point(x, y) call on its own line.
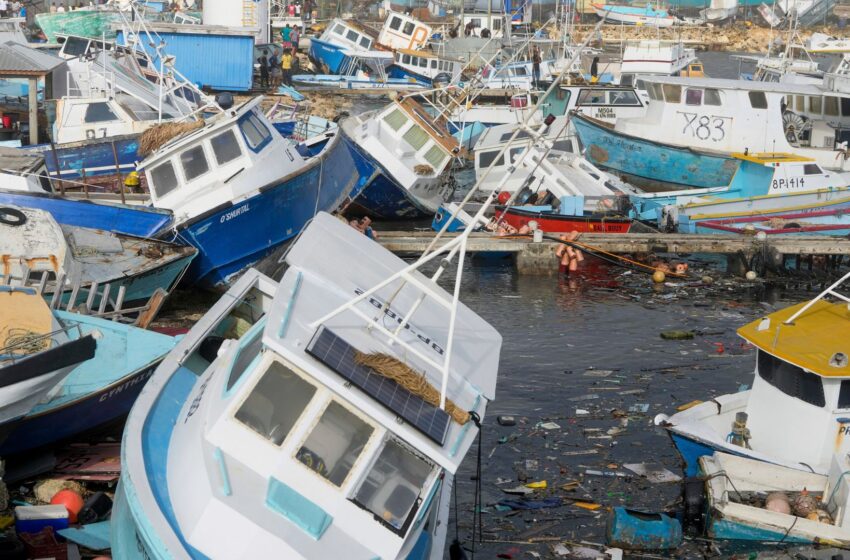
point(338, 355)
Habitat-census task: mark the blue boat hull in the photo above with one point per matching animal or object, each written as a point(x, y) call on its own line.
point(98, 409)
point(381, 196)
point(651, 164)
point(690, 451)
point(329, 56)
point(723, 529)
point(96, 157)
point(258, 226)
point(140, 221)
point(400, 73)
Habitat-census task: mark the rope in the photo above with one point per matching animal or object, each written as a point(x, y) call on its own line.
point(391, 368)
point(20, 341)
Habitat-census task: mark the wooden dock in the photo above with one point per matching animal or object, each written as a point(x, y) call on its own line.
point(538, 258)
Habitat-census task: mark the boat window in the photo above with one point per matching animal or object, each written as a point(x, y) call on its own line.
point(811, 169)
point(75, 46)
point(339, 29)
point(275, 403)
point(225, 147)
point(520, 71)
point(406, 59)
point(590, 97)
point(249, 349)
point(627, 79)
point(641, 85)
point(654, 92)
point(352, 35)
point(335, 443)
point(194, 163)
point(790, 379)
point(255, 132)
point(816, 105)
point(693, 96)
point(364, 42)
point(486, 158)
point(696, 68)
point(800, 104)
point(393, 488)
point(711, 97)
point(408, 28)
point(423, 63)
point(433, 64)
point(844, 394)
point(396, 119)
point(99, 112)
point(672, 93)
point(758, 100)
point(395, 23)
point(830, 106)
point(625, 97)
point(563, 146)
point(497, 24)
point(416, 137)
point(164, 179)
point(845, 106)
point(435, 157)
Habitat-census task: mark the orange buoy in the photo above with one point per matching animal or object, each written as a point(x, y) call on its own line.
point(72, 501)
point(504, 197)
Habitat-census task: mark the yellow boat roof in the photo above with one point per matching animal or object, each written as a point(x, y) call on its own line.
point(764, 158)
point(23, 314)
point(811, 342)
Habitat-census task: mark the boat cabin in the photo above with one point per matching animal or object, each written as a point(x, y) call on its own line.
point(658, 57)
point(603, 102)
point(302, 446)
point(347, 34)
point(225, 161)
point(423, 65)
point(800, 398)
point(401, 31)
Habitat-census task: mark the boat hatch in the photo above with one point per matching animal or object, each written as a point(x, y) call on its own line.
point(417, 138)
point(193, 162)
point(255, 133)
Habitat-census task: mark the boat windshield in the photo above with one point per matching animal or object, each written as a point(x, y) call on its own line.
point(393, 488)
point(792, 380)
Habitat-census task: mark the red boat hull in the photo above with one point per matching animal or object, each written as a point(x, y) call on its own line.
point(557, 223)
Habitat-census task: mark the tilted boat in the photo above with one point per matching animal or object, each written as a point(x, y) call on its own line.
point(239, 179)
point(402, 152)
point(286, 417)
point(74, 261)
point(37, 351)
point(795, 413)
point(634, 15)
point(772, 188)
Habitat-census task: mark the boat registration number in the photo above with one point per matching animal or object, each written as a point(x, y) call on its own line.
point(704, 127)
point(792, 183)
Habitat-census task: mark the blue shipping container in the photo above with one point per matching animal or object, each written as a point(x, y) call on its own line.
point(220, 62)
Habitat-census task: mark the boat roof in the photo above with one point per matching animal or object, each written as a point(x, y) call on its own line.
point(811, 342)
point(767, 158)
point(22, 310)
point(742, 85)
point(329, 266)
point(39, 241)
point(416, 112)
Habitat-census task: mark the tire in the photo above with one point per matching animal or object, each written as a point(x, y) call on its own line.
point(12, 217)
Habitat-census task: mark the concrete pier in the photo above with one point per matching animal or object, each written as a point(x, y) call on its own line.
point(539, 258)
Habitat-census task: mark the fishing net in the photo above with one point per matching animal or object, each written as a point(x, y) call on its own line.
point(158, 135)
point(391, 368)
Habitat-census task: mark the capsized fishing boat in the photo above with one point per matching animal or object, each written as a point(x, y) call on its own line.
point(634, 15)
point(96, 392)
point(285, 414)
point(239, 179)
point(37, 351)
point(764, 188)
point(26, 183)
point(402, 152)
point(424, 67)
point(342, 39)
point(74, 261)
point(92, 23)
point(795, 413)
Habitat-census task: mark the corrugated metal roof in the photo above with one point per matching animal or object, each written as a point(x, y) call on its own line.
point(17, 58)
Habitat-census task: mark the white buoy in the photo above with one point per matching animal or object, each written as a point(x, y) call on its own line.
point(751, 275)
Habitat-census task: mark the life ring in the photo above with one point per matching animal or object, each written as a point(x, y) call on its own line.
point(12, 217)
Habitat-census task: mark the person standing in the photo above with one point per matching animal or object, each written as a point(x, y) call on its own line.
point(286, 66)
point(274, 70)
point(294, 36)
point(286, 36)
point(4, 8)
point(536, 59)
point(264, 69)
